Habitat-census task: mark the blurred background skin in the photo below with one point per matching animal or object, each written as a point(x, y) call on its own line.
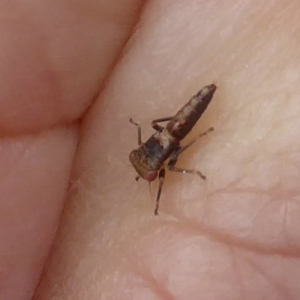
point(72, 74)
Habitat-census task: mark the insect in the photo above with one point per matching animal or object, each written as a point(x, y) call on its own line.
point(148, 159)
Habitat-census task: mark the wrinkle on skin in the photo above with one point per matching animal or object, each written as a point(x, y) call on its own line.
point(149, 282)
point(255, 268)
point(232, 237)
point(32, 193)
point(278, 287)
point(54, 59)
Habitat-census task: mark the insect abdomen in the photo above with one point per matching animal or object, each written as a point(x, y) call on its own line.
point(189, 114)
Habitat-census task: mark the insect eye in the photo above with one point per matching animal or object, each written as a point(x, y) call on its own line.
point(132, 157)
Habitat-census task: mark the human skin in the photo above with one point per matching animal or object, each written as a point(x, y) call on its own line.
point(73, 75)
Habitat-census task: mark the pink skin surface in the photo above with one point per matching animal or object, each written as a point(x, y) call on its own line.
point(72, 74)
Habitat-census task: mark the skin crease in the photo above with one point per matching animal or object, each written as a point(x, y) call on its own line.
point(233, 236)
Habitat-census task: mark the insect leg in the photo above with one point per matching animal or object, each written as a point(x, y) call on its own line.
point(158, 127)
point(138, 129)
point(161, 177)
point(174, 157)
